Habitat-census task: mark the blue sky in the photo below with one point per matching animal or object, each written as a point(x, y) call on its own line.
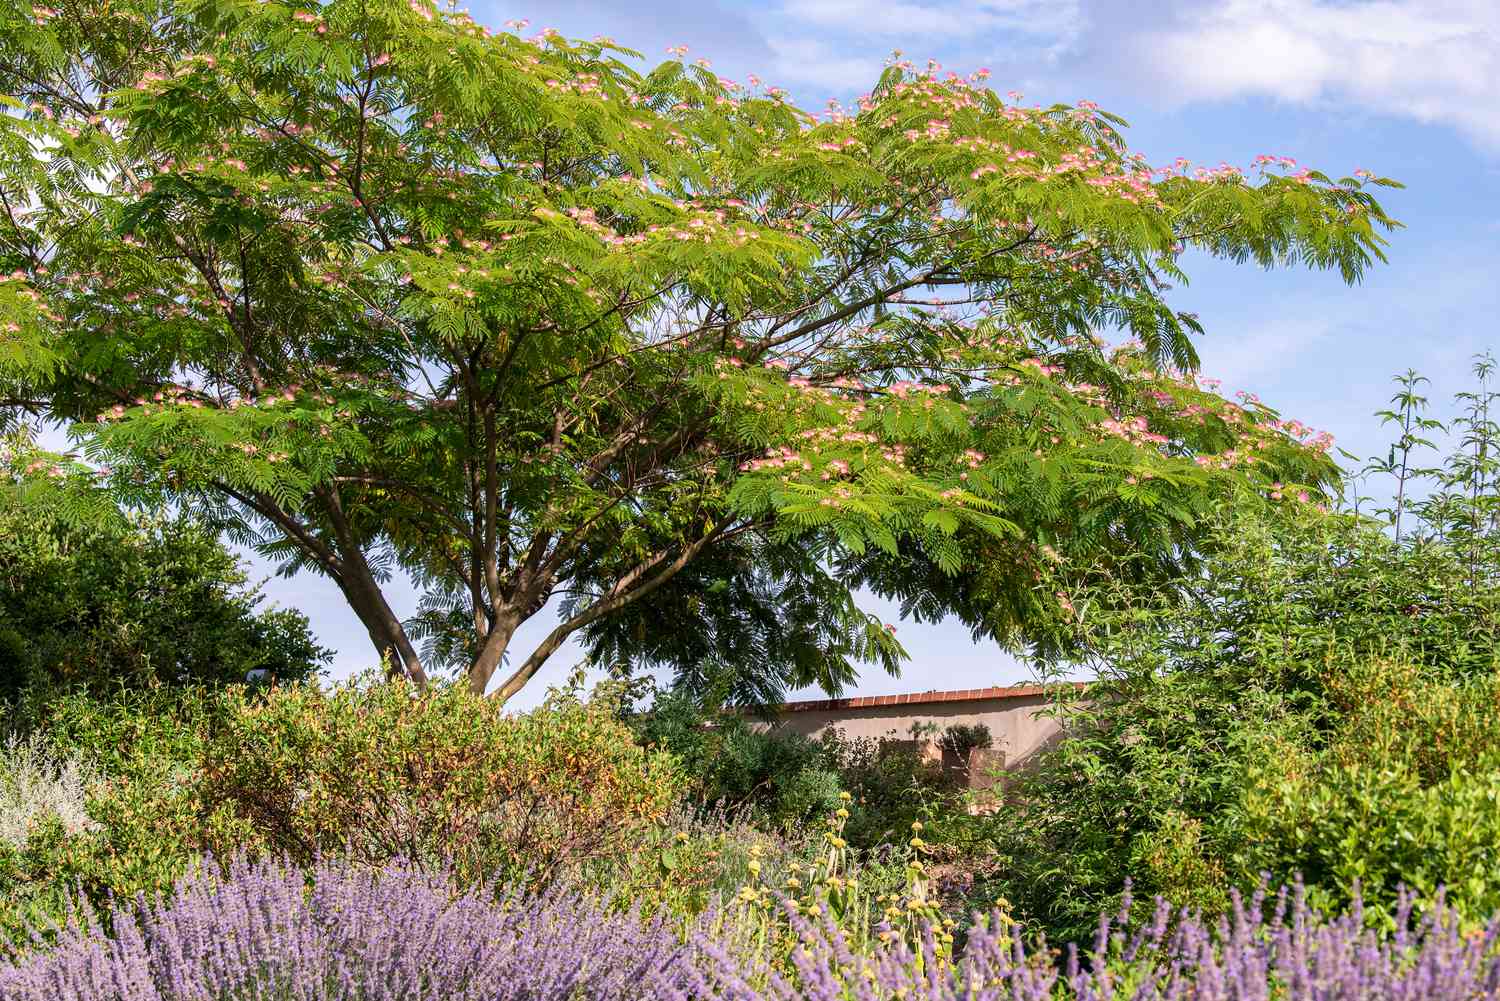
point(1401, 87)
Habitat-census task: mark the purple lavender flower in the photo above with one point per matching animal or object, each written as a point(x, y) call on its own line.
point(1293, 954)
point(263, 931)
point(393, 934)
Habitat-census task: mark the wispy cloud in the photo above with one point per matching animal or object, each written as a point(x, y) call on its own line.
point(1430, 60)
point(840, 45)
point(947, 20)
point(1434, 61)
point(815, 63)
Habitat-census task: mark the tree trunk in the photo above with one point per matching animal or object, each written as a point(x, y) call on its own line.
point(490, 654)
point(386, 631)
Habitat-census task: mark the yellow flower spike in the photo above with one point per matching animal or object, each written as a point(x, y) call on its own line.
point(754, 867)
point(843, 814)
point(682, 837)
point(846, 797)
point(916, 825)
point(917, 843)
point(813, 910)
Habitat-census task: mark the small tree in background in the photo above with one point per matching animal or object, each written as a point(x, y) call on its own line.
point(376, 290)
point(130, 601)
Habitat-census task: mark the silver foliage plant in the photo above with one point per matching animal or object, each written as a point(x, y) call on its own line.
point(37, 783)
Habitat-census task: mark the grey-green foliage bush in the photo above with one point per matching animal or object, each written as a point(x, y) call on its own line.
point(134, 601)
point(38, 784)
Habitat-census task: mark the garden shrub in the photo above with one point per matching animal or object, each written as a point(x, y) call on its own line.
point(1403, 791)
point(135, 602)
point(781, 778)
point(145, 821)
point(374, 772)
point(382, 771)
point(890, 784)
point(38, 784)
point(785, 780)
point(1241, 684)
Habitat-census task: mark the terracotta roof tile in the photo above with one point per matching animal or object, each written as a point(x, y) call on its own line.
point(923, 698)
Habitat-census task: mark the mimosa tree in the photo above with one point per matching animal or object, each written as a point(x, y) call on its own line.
point(380, 291)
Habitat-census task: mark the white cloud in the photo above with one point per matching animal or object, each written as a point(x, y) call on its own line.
point(1432, 60)
point(1262, 346)
point(842, 45)
point(810, 61)
point(943, 19)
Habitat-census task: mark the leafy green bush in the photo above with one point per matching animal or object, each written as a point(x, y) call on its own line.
point(132, 602)
point(783, 779)
point(382, 771)
point(1171, 776)
point(370, 772)
point(146, 823)
point(891, 787)
point(1402, 792)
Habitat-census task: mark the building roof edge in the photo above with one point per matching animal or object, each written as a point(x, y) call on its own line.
point(913, 699)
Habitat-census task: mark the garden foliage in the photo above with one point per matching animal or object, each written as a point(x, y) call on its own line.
point(129, 601)
point(366, 773)
point(382, 772)
point(784, 781)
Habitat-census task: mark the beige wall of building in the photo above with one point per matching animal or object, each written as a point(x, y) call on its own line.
point(1014, 717)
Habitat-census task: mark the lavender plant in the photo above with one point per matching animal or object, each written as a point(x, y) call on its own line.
point(262, 931)
point(1263, 948)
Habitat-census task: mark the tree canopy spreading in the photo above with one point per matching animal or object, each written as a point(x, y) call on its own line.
point(380, 291)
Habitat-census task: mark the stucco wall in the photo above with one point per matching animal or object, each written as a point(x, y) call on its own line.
point(1014, 722)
